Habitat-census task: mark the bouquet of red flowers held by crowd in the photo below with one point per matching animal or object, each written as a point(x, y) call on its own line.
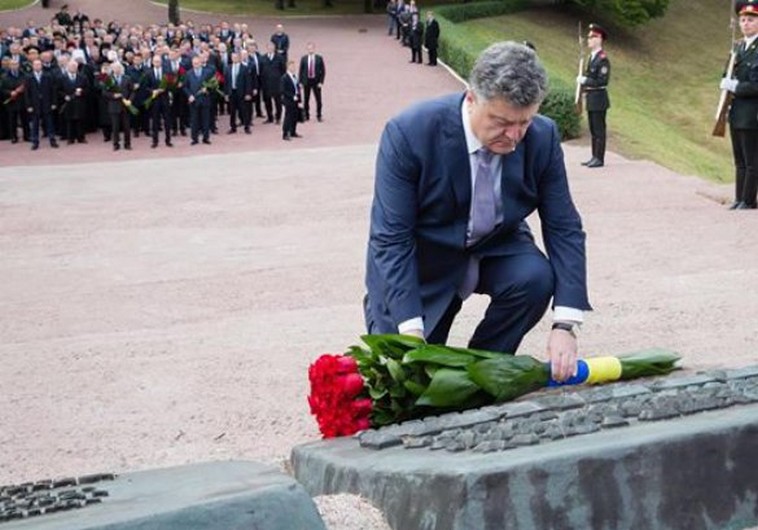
point(108, 84)
point(397, 378)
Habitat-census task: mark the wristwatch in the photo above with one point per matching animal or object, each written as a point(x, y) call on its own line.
point(571, 327)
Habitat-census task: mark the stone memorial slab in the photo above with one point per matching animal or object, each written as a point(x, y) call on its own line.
point(208, 496)
point(674, 456)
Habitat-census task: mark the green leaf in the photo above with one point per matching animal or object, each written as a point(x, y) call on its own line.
point(393, 346)
point(509, 377)
point(449, 388)
point(377, 393)
point(436, 354)
point(654, 361)
point(395, 370)
point(414, 388)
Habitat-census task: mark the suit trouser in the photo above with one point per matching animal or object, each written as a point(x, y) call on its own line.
point(316, 89)
point(520, 287)
point(432, 56)
point(179, 112)
point(257, 101)
point(596, 119)
point(272, 101)
point(745, 150)
point(161, 113)
point(49, 123)
point(16, 118)
point(237, 108)
point(289, 126)
point(74, 130)
point(119, 121)
point(200, 120)
point(416, 54)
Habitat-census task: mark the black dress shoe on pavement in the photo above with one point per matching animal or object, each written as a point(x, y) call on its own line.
point(194, 142)
point(206, 141)
point(35, 147)
point(735, 205)
point(297, 135)
point(320, 119)
point(169, 144)
point(128, 147)
point(231, 131)
point(595, 163)
point(154, 145)
point(286, 138)
point(247, 130)
point(745, 206)
point(54, 145)
point(588, 162)
point(116, 147)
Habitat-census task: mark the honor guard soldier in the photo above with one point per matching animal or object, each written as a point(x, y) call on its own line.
point(743, 124)
point(594, 84)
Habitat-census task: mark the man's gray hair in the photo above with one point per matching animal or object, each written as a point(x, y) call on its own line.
point(511, 71)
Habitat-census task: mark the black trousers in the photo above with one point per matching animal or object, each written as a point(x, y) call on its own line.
point(520, 287)
point(161, 114)
point(119, 122)
point(289, 126)
point(272, 102)
point(596, 119)
point(74, 130)
point(179, 112)
point(16, 117)
point(200, 120)
point(745, 150)
point(432, 56)
point(237, 110)
point(48, 121)
point(312, 86)
point(416, 55)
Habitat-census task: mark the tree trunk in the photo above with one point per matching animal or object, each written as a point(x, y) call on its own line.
point(173, 11)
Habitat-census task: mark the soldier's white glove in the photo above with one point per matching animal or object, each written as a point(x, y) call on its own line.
point(728, 84)
point(581, 79)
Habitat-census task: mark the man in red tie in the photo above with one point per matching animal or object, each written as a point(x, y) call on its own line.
point(312, 74)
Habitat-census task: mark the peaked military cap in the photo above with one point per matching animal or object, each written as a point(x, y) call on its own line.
point(595, 29)
point(747, 7)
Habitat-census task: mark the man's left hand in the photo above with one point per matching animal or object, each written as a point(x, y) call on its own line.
point(561, 349)
point(728, 84)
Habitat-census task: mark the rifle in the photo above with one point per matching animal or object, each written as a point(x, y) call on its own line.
point(725, 99)
point(578, 92)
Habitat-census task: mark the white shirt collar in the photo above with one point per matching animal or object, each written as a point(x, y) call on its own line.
point(750, 41)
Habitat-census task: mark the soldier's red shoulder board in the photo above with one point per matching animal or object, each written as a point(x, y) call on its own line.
point(602, 54)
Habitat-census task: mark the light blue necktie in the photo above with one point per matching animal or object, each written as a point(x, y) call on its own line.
point(483, 216)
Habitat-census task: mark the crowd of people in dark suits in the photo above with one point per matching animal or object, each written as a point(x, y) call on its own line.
point(77, 76)
point(404, 22)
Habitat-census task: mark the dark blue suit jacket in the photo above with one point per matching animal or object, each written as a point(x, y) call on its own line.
point(193, 86)
point(417, 255)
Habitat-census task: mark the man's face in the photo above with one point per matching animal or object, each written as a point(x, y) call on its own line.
point(749, 25)
point(499, 125)
point(157, 61)
point(37, 66)
point(196, 62)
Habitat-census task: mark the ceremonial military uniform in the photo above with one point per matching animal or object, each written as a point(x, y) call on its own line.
point(595, 87)
point(743, 116)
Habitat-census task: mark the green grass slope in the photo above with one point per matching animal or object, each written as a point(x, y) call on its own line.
point(664, 78)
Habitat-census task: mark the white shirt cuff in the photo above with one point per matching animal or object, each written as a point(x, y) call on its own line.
point(411, 324)
point(568, 314)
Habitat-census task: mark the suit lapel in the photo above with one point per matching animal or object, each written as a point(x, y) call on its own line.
point(457, 157)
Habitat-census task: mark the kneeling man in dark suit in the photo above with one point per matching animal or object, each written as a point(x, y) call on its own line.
point(456, 178)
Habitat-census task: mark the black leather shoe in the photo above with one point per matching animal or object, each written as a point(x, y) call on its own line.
point(116, 147)
point(588, 162)
point(595, 163)
point(206, 141)
point(154, 145)
point(247, 130)
point(745, 206)
point(54, 145)
point(169, 144)
point(128, 147)
point(735, 205)
point(320, 119)
point(35, 147)
point(297, 135)
point(286, 138)
point(193, 142)
point(231, 131)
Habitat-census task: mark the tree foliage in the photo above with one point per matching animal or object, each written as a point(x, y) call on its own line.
point(626, 12)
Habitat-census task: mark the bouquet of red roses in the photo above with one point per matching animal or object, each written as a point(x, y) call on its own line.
point(213, 84)
point(168, 81)
point(398, 378)
point(108, 85)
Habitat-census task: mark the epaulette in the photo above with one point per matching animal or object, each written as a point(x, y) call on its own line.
point(602, 54)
